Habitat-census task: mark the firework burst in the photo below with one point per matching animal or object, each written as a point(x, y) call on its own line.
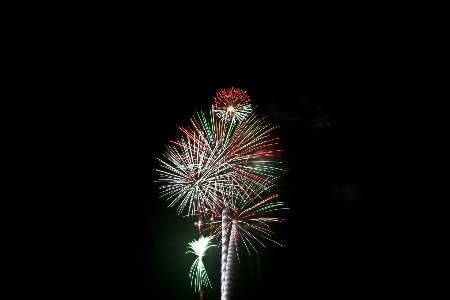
point(197, 273)
point(213, 155)
point(232, 104)
point(252, 215)
point(247, 221)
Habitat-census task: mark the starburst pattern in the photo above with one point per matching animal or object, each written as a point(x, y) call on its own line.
point(197, 273)
point(252, 215)
point(212, 155)
point(247, 220)
point(232, 104)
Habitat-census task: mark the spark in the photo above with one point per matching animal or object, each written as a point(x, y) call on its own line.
point(232, 104)
point(197, 273)
point(213, 155)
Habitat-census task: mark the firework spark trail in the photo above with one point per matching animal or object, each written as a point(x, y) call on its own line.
point(251, 212)
point(224, 251)
point(213, 153)
point(231, 260)
point(246, 220)
point(232, 104)
point(197, 273)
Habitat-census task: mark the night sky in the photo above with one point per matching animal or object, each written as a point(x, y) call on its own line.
point(106, 104)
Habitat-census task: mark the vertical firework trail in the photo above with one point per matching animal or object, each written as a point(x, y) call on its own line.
point(224, 251)
point(231, 260)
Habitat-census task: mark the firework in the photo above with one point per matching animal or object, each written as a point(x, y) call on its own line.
point(223, 263)
point(213, 155)
point(230, 263)
point(232, 104)
point(220, 169)
point(197, 273)
point(252, 215)
point(246, 221)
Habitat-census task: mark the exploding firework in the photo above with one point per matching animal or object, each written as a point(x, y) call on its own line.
point(197, 273)
point(212, 156)
point(220, 169)
point(247, 221)
point(232, 104)
point(252, 215)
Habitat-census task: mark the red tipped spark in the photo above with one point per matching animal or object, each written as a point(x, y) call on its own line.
point(232, 104)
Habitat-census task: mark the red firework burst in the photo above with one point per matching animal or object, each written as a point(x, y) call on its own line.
point(232, 104)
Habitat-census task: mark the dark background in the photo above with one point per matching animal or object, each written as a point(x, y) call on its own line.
point(104, 98)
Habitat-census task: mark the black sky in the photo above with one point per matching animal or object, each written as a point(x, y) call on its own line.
point(105, 103)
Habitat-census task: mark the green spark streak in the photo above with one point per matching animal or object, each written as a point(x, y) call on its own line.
point(197, 272)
